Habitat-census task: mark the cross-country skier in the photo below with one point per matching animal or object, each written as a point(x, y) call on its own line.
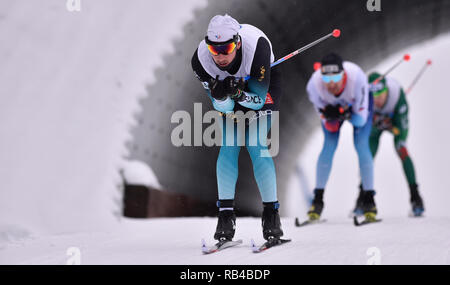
point(230, 52)
point(391, 114)
point(339, 92)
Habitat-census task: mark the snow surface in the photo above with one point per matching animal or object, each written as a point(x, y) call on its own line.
point(398, 240)
point(65, 114)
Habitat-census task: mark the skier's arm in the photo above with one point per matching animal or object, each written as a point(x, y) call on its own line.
point(360, 109)
point(400, 119)
point(314, 97)
point(258, 84)
point(221, 103)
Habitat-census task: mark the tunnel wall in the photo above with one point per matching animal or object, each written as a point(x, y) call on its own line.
point(367, 38)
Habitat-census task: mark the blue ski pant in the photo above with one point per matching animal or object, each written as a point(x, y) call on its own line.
point(361, 142)
point(263, 165)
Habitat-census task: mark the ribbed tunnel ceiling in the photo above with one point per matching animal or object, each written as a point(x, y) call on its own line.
point(367, 38)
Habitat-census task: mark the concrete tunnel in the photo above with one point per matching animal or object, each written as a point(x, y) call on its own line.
point(188, 174)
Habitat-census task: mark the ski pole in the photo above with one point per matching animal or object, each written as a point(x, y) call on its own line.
point(336, 34)
point(418, 76)
point(406, 57)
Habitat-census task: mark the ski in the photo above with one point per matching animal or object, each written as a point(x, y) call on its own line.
point(268, 244)
point(308, 222)
point(364, 222)
point(219, 246)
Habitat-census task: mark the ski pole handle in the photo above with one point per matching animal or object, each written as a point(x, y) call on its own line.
point(336, 34)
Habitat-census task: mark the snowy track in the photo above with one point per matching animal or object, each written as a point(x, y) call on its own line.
point(398, 240)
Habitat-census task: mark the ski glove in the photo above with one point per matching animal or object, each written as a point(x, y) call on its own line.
point(234, 88)
point(217, 88)
point(336, 112)
point(382, 122)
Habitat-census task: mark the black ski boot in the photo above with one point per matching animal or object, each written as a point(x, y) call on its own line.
point(317, 205)
point(271, 223)
point(358, 211)
point(368, 205)
point(416, 201)
point(226, 224)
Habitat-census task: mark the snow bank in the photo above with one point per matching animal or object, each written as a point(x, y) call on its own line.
point(139, 173)
point(69, 86)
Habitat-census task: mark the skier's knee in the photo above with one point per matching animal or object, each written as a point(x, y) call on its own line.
point(402, 152)
point(329, 147)
point(362, 146)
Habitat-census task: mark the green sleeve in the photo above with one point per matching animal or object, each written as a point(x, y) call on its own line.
point(400, 119)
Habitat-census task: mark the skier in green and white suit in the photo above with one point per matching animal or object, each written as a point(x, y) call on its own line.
point(391, 114)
